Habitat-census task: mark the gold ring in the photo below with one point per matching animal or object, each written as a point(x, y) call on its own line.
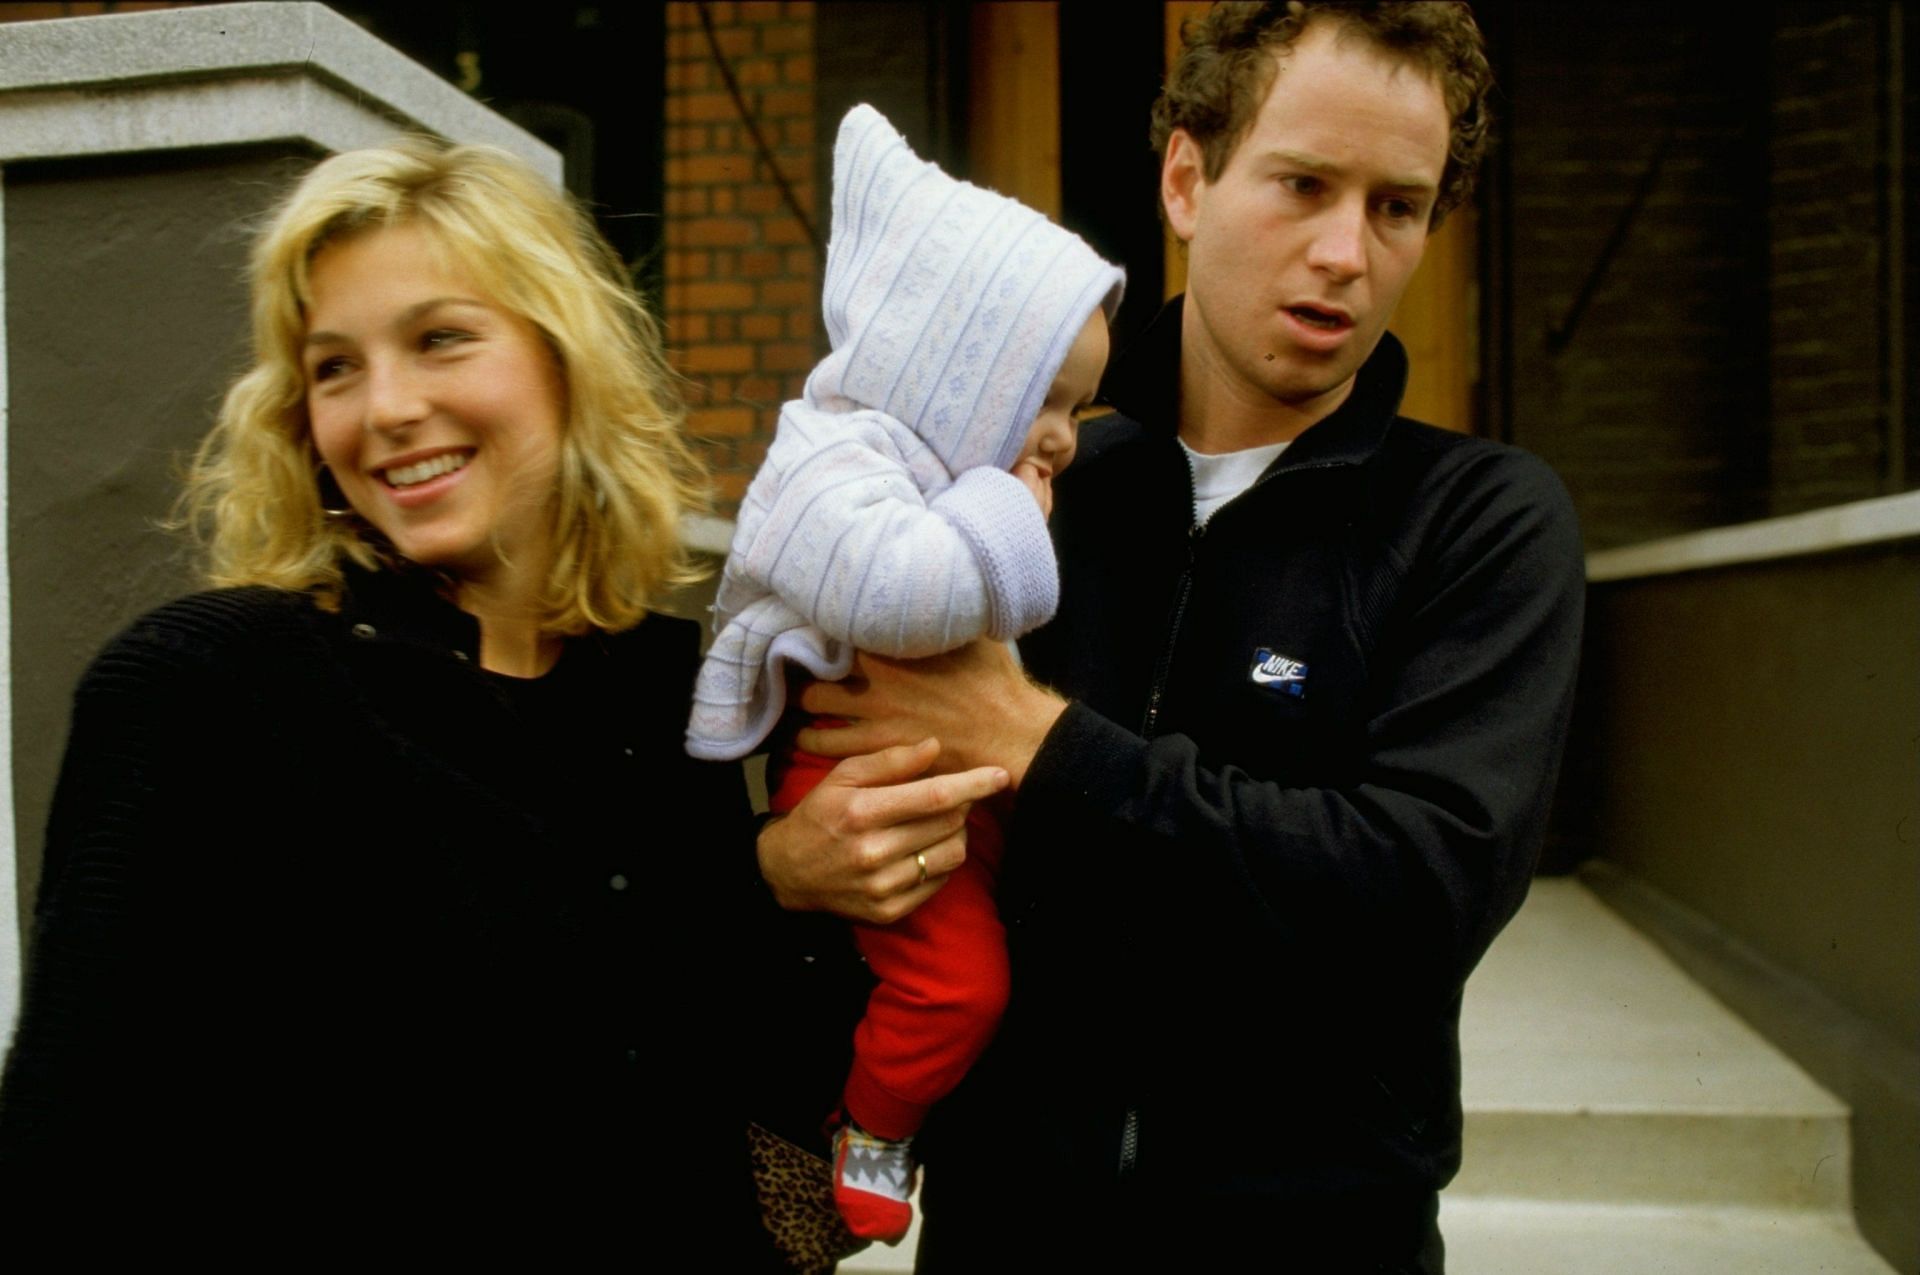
point(921, 859)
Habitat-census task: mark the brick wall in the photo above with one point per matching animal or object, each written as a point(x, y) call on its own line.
point(1654, 408)
point(1828, 263)
point(742, 276)
point(1735, 359)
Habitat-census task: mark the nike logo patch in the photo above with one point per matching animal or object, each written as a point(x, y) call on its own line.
point(1280, 673)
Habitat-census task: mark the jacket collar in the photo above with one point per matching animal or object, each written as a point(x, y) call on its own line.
point(406, 606)
point(1144, 384)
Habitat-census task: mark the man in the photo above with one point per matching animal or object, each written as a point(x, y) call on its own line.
point(1311, 673)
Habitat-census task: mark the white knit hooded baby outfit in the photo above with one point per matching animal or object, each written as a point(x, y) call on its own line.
point(884, 518)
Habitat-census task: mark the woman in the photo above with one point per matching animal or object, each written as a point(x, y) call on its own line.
point(367, 870)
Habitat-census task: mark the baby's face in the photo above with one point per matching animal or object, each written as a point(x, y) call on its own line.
point(1049, 445)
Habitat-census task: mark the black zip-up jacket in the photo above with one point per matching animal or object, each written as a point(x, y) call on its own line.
point(1300, 786)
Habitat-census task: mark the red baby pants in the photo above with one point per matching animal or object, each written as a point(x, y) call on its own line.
point(942, 972)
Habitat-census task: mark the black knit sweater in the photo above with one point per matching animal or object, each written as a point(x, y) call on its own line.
point(330, 915)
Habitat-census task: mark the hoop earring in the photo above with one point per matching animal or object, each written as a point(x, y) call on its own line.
point(333, 501)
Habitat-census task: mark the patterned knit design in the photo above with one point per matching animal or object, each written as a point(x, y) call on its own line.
point(883, 518)
point(950, 308)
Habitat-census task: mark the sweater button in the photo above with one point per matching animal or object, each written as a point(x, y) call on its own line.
point(617, 881)
point(463, 657)
point(363, 631)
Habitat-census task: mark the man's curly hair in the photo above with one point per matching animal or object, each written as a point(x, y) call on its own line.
point(1227, 64)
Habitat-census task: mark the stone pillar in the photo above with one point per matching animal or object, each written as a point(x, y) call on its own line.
point(133, 150)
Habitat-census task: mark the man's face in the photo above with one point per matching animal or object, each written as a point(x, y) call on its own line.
point(1300, 250)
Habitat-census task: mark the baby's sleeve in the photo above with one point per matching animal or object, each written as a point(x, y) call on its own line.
point(847, 536)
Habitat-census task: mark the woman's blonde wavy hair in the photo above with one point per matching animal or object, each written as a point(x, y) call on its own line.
point(626, 472)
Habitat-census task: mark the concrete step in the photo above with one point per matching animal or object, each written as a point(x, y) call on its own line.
point(1620, 1121)
point(1528, 1237)
point(1594, 1070)
point(897, 1260)
point(1489, 1236)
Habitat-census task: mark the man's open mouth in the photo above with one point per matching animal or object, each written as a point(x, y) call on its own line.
point(1325, 320)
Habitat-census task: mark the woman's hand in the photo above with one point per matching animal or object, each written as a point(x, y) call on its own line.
point(856, 844)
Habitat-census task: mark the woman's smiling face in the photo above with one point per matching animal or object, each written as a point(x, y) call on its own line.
point(438, 411)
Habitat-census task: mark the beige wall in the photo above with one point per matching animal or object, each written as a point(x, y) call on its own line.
point(1756, 736)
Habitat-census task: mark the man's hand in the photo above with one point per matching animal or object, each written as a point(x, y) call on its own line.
point(855, 845)
point(974, 700)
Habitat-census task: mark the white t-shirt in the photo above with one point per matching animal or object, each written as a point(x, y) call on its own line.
point(1218, 479)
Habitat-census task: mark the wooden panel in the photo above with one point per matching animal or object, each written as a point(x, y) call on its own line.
point(1177, 13)
point(1438, 321)
point(1014, 134)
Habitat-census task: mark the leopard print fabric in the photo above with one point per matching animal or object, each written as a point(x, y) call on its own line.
point(795, 1188)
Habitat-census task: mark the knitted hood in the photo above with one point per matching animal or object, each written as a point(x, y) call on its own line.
point(950, 308)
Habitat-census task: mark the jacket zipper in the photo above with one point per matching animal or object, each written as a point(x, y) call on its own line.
point(1195, 533)
point(1130, 1122)
point(1165, 664)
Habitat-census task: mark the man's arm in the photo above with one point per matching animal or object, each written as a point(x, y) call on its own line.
point(1430, 845)
point(974, 700)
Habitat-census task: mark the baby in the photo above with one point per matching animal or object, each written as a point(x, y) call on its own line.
point(902, 510)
